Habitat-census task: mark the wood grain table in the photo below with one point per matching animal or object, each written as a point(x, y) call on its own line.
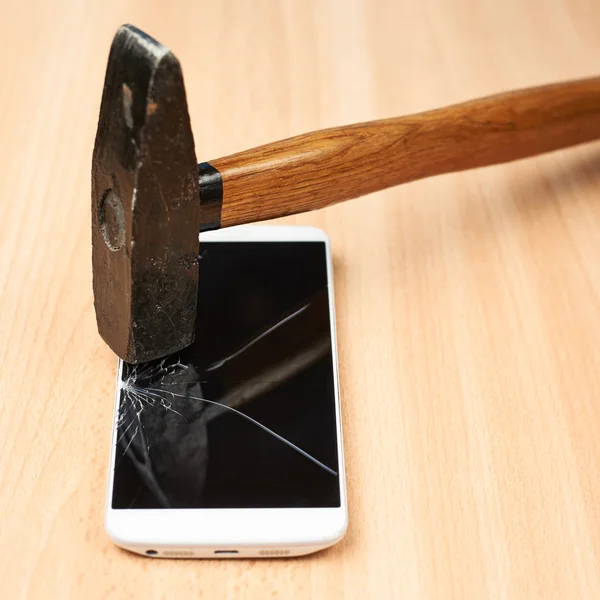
point(468, 305)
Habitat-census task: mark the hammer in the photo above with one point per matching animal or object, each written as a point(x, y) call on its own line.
point(150, 198)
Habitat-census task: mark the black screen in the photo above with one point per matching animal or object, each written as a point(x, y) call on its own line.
point(245, 416)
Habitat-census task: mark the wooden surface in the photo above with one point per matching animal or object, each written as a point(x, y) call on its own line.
point(468, 305)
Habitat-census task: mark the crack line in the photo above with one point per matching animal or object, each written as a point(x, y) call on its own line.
point(241, 414)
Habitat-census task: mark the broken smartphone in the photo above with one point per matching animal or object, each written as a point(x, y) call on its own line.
point(232, 447)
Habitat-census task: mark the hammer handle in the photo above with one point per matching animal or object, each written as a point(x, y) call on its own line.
point(322, 168)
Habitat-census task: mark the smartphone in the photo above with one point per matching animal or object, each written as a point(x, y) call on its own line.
point(232, 447)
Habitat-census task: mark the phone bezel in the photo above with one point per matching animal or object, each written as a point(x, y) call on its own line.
point(249, 531)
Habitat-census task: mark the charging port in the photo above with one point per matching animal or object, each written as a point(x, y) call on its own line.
point(226, 552)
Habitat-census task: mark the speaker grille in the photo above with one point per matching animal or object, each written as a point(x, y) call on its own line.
point(178, 553)
point(274, 552)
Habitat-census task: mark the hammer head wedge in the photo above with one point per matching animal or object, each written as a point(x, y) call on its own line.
point(145, 203)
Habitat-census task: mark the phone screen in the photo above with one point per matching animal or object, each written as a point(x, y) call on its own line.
point(245, 417)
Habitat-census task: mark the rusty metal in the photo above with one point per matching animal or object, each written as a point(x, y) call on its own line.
point(145, 209)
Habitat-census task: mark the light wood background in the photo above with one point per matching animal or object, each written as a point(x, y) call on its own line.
point(468, 305)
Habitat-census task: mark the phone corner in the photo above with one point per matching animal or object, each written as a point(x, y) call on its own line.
point(342, 528)
point(333, 539)
point(112, 530)
point(337, 529)
point(320, 233)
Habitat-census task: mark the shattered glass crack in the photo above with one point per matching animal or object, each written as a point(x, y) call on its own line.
point(136, 398)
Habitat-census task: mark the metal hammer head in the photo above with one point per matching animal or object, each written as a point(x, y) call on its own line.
point(145, 203)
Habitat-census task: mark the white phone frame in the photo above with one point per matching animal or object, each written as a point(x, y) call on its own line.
point(237, 533)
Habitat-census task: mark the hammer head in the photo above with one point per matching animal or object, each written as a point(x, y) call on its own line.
point(145, 203)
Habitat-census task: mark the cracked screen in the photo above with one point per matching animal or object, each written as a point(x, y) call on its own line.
point(244, 417)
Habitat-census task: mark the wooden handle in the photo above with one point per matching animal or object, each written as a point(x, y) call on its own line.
point(325, 167)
